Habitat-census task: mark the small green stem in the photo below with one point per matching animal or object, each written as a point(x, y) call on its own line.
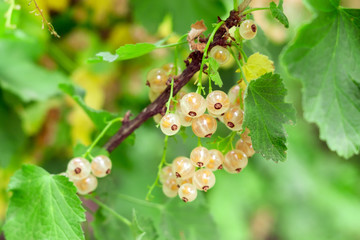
point(211, 38)
point(253, 10)
point(236, 4)
point(210, 87)
point(141, 202)
point(160, 166)
point(8, 14)
point(199, 142)
point(90, 148)
point(172, 45)
point(176, 53)
point(239, 64)
point(170, 97)
point(110, 210)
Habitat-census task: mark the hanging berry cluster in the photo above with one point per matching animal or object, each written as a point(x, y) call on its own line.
point(185, 176)
point(84, 174)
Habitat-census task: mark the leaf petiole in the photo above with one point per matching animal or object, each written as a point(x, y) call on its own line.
point(254, 9)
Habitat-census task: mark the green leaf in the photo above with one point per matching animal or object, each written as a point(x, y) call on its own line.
point(129, 51)
point(277, 12)
point(325, 56)
point(323, 5)
point(265, 114)
point(143, 228)
point(43, 206)
point(99, 117)
point(213, 71)
point(11, 135)
point(20, 75)
point(104, 56)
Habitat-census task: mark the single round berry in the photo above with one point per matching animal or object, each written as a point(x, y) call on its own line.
point(171, 183)
point(157, 118)
point(183, 168)
point(245, 147)
point(170, 69)
point(204, 126)
point(233, 118)
point(217, 102)
point(183, 181)
point(234, 95)
point(193, 105)
point(166, 172)
point(199, 156)
point(248, 29)
point(86, 185)
point(153, 95)
point(169, 192)
point(184, 120)
point(101, 166)
point(204, 179)
point(235, 161)
point(157, 79)
point(220, 54)
point(78, 168)
point(187, 192)
point(170, 124)
point(216, 160)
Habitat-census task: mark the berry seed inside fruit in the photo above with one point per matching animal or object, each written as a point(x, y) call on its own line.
point(253, 28)
point(205, 188)
point(174, 127)
point(177, 175)
point(230, 124)
point(185, 199)
point(208, 135)
point(238, 170)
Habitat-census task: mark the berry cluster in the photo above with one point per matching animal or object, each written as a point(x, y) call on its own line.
point(83, 173)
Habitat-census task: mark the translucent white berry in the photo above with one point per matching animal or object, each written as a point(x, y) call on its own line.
point(169, 192)
point(184, 120)
point(157, 79)
point(200, 156)
point(204, 126)
point(157, 118)
point(183, 168)
point(220, 54)
point(204, 179)
point(245, 147)
point(78, 168)
point(233, 118)
point(217, 102)
point(193, 105)
point(170, 124)
point(183, 181)
point(86, 185)
point(187, 192)
point(153, 95)
point(166, 172)
point(235, 161)
point(234, 96)
point(216, 160)
point(101, 166)
point(170, 69)
point(248, 29)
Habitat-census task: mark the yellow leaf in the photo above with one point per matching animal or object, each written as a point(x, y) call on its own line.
point(257, 65)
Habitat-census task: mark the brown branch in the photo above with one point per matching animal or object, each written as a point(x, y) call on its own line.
point(193, 65)
point(44, 21)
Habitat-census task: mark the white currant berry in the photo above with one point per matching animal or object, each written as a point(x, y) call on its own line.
point(204, 179)
point(187, 192)
point(216, 160)
point(220, 54)
point(183, 181)
point(245, 147)
point(193, 105)
point(171, 183)
point(157, 118)
point(170, 124)
point(248, 29)
point(184, 120)
point(170, 69)
point(217, 102)
point(157, 79)
point(204, 126)
point(78, 168)
point(166, 172)
point(235, 161)
point(234, 96)
point(183, 168)
point(153, 95)
point(200, 156)
point(101, 166)
point(86, 185)
point(233, 118)
point(169, 192)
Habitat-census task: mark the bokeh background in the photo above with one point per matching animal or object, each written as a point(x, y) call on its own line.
point(313, 195)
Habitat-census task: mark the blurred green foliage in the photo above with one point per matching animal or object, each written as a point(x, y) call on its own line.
point(313, 195)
